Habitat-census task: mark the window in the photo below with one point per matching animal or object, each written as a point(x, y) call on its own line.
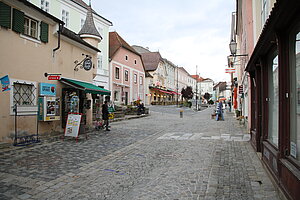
point(135, 78)
point(100, 61)
point(65, 17)
point(126, 75)
point(126, 57)
point(117, 73)
point(141, 80)
point(295, 97)
point(24, 95)
point(30, 27)
point(116, 95)
point(135, 62)
point(82, 22)
point(45, 5)
point(264, 12)
point(273, 101)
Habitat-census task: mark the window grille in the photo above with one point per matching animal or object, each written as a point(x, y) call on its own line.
point(24, 94)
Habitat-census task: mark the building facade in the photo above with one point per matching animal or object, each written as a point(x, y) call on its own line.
point(41, 44)
point(73, 14)
point(127, 71)
point(273, 87)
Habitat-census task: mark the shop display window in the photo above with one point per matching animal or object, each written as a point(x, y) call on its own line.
point(273, 101)
point(295, 97)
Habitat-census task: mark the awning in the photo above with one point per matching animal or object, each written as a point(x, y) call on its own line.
point(87, 87)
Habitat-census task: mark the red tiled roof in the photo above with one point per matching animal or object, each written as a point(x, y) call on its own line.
point(151, 60)
point(116, 42)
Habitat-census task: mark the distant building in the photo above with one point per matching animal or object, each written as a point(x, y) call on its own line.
point(127, 71)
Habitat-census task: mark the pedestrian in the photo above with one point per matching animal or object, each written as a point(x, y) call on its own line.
point(229, 105)
point(220, 111)
point(105, 114)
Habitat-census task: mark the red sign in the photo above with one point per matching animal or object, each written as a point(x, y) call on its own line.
point(230, 70)
point(52, 77)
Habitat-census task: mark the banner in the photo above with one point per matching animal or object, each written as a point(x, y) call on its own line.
point(5, 83)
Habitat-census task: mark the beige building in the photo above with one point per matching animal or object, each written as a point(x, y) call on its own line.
point(37, 43)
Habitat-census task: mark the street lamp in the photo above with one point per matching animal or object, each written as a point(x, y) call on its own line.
point(233, 49)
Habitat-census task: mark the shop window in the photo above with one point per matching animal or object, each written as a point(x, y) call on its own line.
point(126, 75)
point(273, 101)
point(295, 98)
point(117, 73)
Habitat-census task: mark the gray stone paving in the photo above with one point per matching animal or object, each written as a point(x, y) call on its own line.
point(161, 156)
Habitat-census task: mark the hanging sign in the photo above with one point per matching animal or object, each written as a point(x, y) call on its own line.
point(73, 124)
point(54, 77)
point(5, 83)
point(230, 70)
point(241, 89)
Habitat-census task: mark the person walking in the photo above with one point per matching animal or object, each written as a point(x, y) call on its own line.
point(220, 111)
point(105, 114)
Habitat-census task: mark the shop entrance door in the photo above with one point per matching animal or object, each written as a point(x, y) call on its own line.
point(126, 98)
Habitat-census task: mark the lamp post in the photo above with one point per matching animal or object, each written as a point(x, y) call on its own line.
point(177, 88)
point(233, 49)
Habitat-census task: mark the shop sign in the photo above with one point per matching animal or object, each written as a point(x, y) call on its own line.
point(53, 77)
point(47, 89)
point(5, 83)
point(73, 124)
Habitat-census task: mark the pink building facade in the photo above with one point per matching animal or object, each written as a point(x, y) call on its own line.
point(126, 72)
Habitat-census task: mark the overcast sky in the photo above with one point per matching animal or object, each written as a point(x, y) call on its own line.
point(186, 32)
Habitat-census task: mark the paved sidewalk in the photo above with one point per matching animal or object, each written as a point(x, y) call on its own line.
point(161, 156)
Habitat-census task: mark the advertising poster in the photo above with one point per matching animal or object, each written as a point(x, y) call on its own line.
point(73, 124)
point(5, 83)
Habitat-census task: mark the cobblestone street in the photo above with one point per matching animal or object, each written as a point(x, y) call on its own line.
point(161, 156)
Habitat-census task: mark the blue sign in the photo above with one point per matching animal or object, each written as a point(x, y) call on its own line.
point(5, 83)
point(47, 89)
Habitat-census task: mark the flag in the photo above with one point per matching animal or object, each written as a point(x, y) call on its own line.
point(5, 83)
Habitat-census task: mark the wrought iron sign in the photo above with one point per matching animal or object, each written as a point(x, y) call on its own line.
point(86, 63)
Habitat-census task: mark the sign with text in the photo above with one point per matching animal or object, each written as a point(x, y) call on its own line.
point(5, 83)
point(53, 77)
point(47, 89)
point(73, 124)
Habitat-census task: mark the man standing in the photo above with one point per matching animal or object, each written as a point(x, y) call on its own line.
point(105, 114)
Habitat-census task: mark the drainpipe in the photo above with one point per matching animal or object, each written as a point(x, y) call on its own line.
point(58, 41)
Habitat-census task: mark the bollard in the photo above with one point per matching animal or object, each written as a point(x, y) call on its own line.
point(181, 113)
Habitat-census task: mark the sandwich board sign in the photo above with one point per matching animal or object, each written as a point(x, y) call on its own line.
point(73, 124)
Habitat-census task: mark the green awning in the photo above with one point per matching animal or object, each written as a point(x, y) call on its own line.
point(87, 87)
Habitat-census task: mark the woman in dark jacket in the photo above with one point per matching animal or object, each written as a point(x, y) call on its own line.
point(105, 114)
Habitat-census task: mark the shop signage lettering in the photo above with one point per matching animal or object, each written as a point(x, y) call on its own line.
point(52, 77)
point(47, 89)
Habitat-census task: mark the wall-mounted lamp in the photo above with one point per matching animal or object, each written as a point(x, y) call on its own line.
point(233, 48)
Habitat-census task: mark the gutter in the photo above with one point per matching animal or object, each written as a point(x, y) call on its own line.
point(58, 37)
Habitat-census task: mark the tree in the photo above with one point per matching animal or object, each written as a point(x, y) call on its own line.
point(187, 93)
point(207, 96)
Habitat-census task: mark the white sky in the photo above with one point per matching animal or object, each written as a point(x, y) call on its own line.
point(186, 32)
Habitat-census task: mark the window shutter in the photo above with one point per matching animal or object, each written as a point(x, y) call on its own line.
point(5, 15)
point(18, 21)
point(44, 32)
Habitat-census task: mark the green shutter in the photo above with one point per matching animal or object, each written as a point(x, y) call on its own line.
point(5, 15)
point(44, 32)
point(18, 21)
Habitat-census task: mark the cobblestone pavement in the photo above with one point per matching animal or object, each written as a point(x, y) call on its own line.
point(161, 156)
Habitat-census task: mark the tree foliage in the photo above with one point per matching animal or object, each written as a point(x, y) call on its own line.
point(187, 93)
point(207, 96)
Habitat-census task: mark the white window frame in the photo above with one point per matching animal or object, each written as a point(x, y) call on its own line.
point(135, 78)
point(24, 109)
point(118, 78)
point(100, 61)
point(65, 17)
point(125, 75)
point(45, 5)
point(28, 30)
point(141, 80)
